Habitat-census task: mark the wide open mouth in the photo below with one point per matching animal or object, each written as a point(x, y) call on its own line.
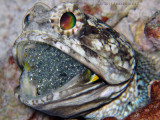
point(57, 84)
point(48, 69)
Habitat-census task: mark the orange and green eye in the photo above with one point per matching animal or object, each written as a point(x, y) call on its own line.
point(68, 21)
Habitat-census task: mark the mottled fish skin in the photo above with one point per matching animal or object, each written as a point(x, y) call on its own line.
point(126, 72)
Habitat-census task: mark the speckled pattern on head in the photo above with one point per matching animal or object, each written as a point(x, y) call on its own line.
point(124, 73)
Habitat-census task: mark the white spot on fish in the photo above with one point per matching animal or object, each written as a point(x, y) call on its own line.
point(107, 47)
point(96, 44)
point(114, 48)
point(126, 65)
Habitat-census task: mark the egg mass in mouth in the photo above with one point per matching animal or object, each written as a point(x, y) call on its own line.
point(48, 68)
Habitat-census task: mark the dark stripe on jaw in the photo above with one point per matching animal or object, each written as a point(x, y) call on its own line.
point(112, 32)
point(89, 52)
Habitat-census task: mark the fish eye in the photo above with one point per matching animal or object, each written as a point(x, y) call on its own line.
point(26, 19)
point(67, 21)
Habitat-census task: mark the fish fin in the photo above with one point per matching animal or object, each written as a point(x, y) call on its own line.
point(148, 65)
point(155, 59)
